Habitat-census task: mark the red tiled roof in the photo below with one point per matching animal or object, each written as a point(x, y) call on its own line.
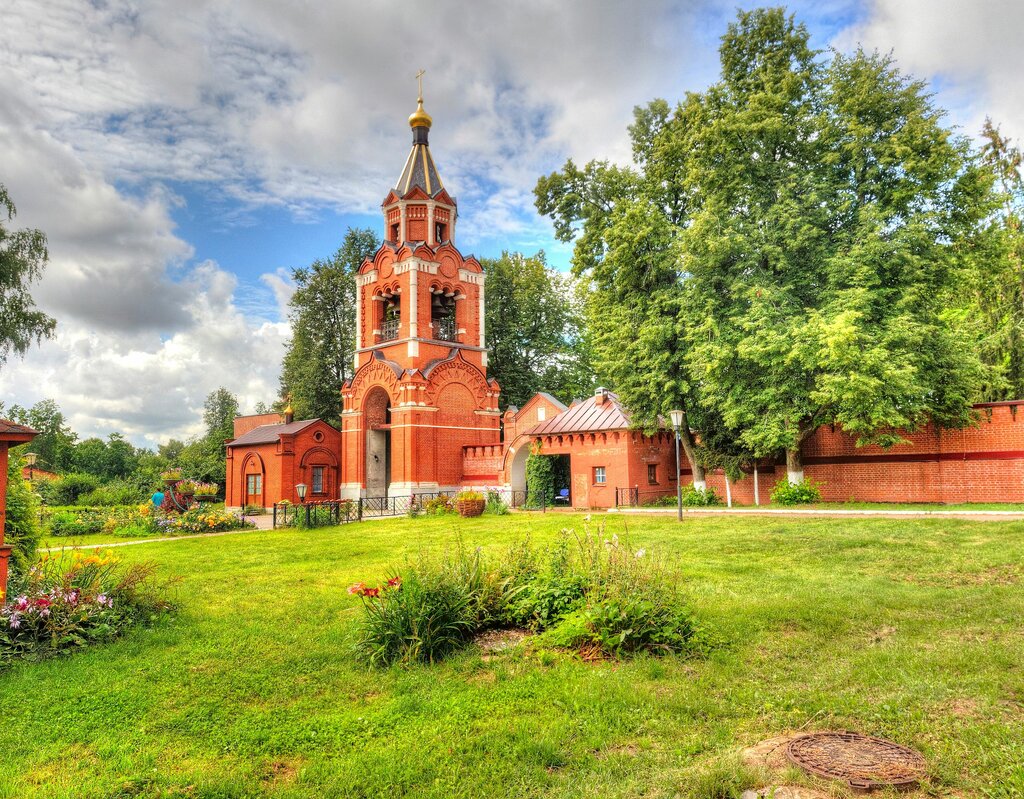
point(269, 433)
point(587, 417)
point(15, 430)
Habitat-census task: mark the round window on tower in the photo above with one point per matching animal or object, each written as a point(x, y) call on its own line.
point(318, 436)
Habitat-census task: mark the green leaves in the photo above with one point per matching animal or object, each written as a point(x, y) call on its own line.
point(23, 257)
point(319, 358)
point(534, 330)
point(789, 252)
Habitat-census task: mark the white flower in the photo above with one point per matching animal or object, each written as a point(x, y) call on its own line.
point(586, 518)
point(641, 552)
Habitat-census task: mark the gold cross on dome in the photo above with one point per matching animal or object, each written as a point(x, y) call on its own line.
point(419, 82)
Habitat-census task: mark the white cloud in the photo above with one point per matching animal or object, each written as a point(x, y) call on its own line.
point(972, 49)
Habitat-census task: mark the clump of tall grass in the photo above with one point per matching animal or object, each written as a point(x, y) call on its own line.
point(586, 591)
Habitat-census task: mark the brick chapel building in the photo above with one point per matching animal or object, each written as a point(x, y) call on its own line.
point(420, 414)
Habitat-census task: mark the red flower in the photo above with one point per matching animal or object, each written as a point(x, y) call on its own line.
point(42, 602)
point(357, 589)
point(371, 592)
point(394, 582)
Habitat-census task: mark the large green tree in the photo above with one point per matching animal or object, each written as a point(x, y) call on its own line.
point(204, 458)
point(996, 284)
point(55, 444)
point(782, 254)
point(535, 329)
point(319, 358)
point(830, 209)
point(23, 257)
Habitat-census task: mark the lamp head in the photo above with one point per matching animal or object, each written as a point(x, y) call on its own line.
point(677, 418)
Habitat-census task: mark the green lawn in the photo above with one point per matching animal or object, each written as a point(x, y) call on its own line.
point(909, 629)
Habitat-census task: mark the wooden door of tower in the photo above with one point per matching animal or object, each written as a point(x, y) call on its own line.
point(377, 416)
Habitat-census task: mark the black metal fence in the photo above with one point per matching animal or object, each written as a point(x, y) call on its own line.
point(633, 497)
point(334, 512)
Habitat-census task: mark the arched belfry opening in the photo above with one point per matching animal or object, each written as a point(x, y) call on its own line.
point(377, 419)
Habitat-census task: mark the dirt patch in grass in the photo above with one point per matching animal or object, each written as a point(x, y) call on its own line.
point(769, 754)
point(1002, 574)
point(881, 634)
point(618, 750)
point(495, 642)
point(282, 772)
point(785, 792)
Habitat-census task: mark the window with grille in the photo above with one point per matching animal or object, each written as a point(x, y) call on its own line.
point(318, 479)
point(254, 484)
point(599, 476)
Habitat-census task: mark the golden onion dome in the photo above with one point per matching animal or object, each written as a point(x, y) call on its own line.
point(420, 118)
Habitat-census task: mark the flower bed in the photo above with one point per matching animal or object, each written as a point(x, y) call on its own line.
point(73, 600)
point(138, 521)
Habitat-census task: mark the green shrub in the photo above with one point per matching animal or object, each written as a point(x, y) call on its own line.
point(469, 496)
point(495, 504)
point(698, 498)
point(68, 523)
point(74, 600)
point(802, 493)
point(550, 592)
point(667, 501)
point(584, 592)
point(439, 506)
point(420, 618)
point(120, 520)
point(66, 490)
point(116, 492)
point(21, 529)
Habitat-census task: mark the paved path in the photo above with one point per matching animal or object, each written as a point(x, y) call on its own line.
point(148, 540)
point(834, 513)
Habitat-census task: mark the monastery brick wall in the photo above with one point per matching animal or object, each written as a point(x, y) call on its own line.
point(979, 464)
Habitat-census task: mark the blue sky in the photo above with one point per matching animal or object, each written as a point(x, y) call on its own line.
point(184, 157)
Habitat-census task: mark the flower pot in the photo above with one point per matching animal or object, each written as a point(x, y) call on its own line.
point(470, 507)
point(206, 498)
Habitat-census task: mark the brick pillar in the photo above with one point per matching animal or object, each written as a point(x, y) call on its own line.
point(5, 551)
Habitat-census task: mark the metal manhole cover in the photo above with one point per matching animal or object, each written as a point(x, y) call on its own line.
point(859, 760)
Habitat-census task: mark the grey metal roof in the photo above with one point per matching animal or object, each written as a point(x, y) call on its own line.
point(587, 417)
point(419, 171)
point(270, 433)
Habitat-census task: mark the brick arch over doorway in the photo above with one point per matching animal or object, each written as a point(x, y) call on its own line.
point(377, 426)
point(318, 469)
point(254, 478)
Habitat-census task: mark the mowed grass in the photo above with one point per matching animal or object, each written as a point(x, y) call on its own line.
point(908, 629)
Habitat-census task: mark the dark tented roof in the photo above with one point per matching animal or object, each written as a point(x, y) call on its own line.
point(587, 417)
point(269, 433)
point(419, 171)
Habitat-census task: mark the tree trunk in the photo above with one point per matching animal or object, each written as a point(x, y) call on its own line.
point(794, 466)
point(690, 448)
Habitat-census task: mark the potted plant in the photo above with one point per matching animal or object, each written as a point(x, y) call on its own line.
point(470, 503)
point(187, 488)
point(206, 492)
point(171, 476)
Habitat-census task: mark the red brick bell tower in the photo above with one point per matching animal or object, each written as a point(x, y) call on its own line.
point(420, 392)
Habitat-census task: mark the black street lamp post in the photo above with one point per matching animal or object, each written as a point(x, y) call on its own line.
point(677, 423)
